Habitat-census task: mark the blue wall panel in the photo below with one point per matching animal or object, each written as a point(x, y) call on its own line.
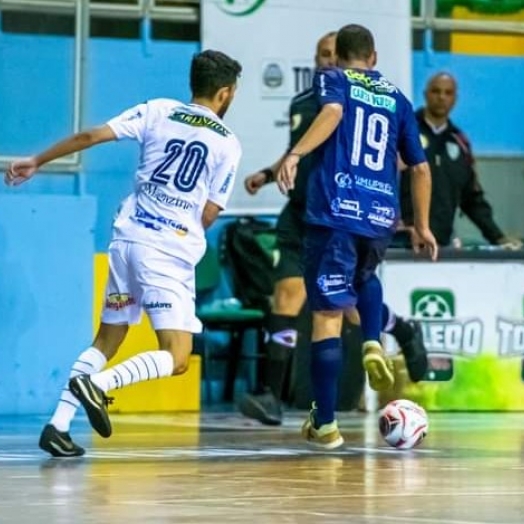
point(490, 104)
point(46, 294)
point(36, 91)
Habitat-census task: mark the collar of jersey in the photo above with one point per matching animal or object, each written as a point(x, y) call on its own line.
point(205, 109)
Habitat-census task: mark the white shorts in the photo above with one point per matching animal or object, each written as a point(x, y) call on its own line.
point(143, 278)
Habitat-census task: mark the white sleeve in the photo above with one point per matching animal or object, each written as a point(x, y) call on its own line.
point(131, 123)
point(224, 177)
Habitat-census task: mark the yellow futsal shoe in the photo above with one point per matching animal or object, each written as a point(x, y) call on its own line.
point(326, 436)
point(378, 367)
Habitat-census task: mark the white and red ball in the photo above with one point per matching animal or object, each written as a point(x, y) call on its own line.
point(403, 424)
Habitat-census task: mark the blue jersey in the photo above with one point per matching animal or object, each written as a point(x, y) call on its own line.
point(353, 182)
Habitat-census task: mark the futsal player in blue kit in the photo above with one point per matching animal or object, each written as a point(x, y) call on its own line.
point(352, 211)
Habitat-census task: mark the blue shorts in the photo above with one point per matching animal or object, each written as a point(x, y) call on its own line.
point(336, 263)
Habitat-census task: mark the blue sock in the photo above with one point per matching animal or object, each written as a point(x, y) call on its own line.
point(326, 357)
point(369, 307)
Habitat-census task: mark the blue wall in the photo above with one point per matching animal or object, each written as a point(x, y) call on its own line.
point(490, 104)
point(46, 294)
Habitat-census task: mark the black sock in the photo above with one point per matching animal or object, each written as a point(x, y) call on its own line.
point(282, 331)
point(401, 330)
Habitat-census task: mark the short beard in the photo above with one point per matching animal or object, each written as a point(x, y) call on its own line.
point(223, 109)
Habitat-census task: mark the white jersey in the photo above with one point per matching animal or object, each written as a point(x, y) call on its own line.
point(188, 156)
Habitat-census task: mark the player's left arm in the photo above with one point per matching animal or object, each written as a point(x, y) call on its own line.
point(23, 169)
point(412, 154)
point(222, 182)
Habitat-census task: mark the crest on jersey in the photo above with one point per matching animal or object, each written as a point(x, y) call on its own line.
point(424, 141)
point(453, 150)
point(296, 120)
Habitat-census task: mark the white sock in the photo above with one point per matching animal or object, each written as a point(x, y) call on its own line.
point(144, 366)
point(90, 361)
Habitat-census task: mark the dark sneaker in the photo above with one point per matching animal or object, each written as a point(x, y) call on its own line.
point(59, 443)
point(264, 407)
point(95, 403)
point(415, 353)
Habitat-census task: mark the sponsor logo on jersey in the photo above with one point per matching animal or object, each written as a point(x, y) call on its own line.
point(153, 222)
point(376, 186)
point(343, 180)
point(199, 121)
point(332, 284)
point(160, 196)
point(134, 116)
point(373, 99)
point(118, 301)
point(158, 305)
point(346, 208)
point(380, 85)
point(382, 216)
point(227, 182)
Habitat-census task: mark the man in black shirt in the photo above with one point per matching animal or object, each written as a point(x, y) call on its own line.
point(455, 182)
point(289, 294)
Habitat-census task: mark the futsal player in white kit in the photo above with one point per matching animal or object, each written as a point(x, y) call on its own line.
point(185, 176)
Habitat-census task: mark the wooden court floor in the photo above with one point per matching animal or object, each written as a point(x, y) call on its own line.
point(220, 468)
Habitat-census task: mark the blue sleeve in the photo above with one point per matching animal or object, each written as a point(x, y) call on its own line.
point(410, 147)
point(330, 86)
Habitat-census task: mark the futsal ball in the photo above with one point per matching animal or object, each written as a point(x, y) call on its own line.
point(403, 424)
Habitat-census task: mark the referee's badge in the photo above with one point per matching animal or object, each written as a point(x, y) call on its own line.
point(296, 120)
point(453, 150)
point(424, 141)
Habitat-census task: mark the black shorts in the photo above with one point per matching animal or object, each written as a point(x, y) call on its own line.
point(290, 236)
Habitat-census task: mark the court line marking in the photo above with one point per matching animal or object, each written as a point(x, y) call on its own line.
point(260, 498)
point(225, 452)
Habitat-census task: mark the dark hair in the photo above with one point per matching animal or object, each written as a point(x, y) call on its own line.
point(354, 42)
point(212, 70)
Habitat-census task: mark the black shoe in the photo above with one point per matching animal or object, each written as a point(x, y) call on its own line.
point(95, 403)
point(414, 352)
point(264, 407)
point(59, 443)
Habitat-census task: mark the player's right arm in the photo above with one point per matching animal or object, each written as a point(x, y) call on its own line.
point(330, 90)
point(412, 154)
point(23, 169)
point(130, 124)
point(255, 181)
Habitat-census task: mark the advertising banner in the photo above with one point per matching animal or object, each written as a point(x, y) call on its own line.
point(472, 315)
point(275, 42)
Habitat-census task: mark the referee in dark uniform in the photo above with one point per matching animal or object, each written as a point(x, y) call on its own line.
point(455, 182)
point(289, 294)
